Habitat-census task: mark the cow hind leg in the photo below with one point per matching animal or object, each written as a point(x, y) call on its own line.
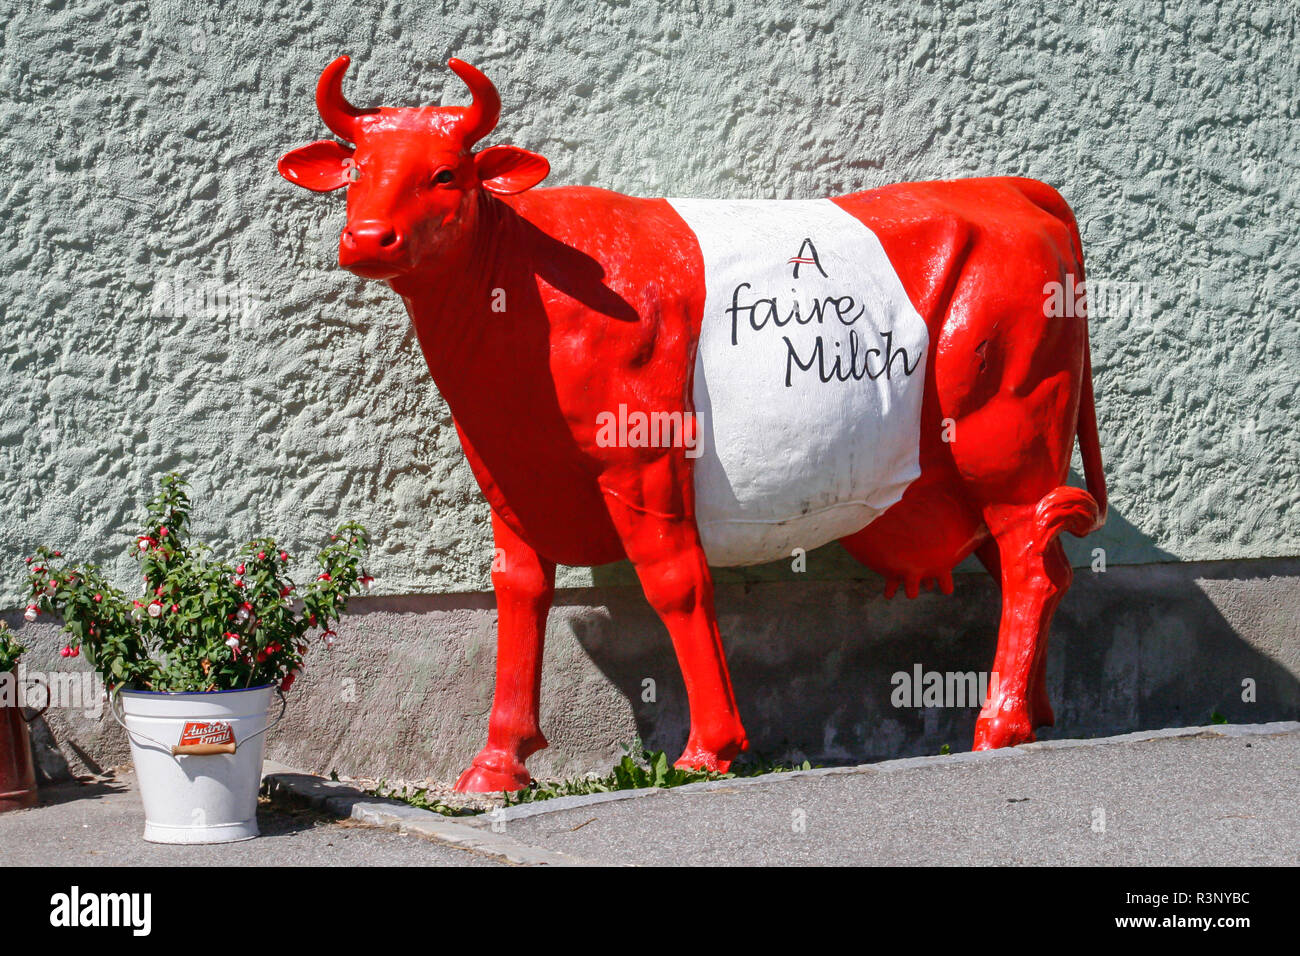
point(1040, 707)
point(1035, 575)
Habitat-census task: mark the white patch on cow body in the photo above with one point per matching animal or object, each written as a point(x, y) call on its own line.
point(790, 459)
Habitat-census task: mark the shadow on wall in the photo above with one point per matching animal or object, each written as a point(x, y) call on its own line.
point(815, 664)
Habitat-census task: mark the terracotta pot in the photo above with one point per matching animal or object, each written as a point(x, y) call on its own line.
point(17, 775)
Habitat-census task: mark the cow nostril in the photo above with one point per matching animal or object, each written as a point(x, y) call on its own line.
point(371, 238)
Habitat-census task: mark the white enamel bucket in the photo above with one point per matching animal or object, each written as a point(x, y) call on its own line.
point(198, 758)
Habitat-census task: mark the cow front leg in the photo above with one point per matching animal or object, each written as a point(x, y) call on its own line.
point(524, 583)
point(1035, 576)
point(674, 575)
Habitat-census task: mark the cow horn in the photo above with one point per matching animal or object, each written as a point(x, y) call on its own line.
point(339, 115)
point(483, 112)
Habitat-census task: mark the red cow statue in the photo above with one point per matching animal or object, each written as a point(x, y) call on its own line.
point(684, 383)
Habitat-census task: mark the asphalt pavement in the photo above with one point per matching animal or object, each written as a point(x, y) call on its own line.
point(1219, 795)
point(100, 824)
point(1193, 801)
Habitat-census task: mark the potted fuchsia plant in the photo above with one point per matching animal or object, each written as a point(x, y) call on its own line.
point(195, 659)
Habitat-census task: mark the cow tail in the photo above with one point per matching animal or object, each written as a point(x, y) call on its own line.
point(1089, 441)
point(1073, 509)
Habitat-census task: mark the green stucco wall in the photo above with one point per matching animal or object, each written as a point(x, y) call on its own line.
point(139, 145)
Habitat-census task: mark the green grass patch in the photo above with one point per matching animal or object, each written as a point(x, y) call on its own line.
point(420, 798)
point(639, 770)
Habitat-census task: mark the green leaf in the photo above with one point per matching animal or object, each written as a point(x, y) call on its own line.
point(661, 769)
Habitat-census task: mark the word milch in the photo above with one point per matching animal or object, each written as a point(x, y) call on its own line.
point(853, 363)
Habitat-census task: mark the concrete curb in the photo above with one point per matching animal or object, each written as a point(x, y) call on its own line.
point(337, 799)
point(523, 811)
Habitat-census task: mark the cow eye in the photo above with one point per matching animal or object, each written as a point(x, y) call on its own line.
point(443, 176)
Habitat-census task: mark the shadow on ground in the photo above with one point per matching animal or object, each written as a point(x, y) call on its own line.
point(813, 662)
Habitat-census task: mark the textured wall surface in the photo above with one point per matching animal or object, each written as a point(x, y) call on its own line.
point(139, 146)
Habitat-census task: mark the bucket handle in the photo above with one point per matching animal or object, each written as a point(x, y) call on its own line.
point(196, 750)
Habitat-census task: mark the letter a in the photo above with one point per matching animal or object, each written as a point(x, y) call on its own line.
point(807, 260)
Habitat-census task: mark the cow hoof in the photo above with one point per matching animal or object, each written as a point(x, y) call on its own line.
point(702, 761)
point(482, 780)
point(507, 775)
point(1004, 729)
point(699, 757)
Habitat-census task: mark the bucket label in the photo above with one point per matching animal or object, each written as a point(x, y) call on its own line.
point(206, 732)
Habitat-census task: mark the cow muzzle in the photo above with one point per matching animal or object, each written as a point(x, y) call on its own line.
point(374, 249)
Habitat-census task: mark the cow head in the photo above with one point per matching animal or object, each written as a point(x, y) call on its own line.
point(413, 179)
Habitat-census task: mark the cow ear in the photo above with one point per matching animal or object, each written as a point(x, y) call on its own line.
point(506, 170)
point(319, 166)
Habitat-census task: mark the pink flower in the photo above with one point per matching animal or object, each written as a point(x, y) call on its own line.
point(284, 555)
point(328, 637)
point(155, 609)
point(261, 555)
point(65, 652)
point(31, 612)
point(99, 598)
point(175, 608)
point(367, 581)
point(325, 577)
point(162, 532)
point(239, 570)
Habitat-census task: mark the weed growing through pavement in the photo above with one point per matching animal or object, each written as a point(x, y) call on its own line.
point(638, 770)
point(421, 799)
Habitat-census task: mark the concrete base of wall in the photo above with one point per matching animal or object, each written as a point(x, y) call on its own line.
point(406, 691)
